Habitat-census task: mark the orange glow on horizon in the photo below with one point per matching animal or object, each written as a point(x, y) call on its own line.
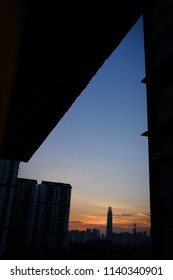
point(121, 223)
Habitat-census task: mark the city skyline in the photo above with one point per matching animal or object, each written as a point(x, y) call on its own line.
point(97, 147)
point(120, 223)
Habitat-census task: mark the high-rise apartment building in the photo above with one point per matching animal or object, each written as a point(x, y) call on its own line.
point(109, 224)
point(8, 171)
point(21, 220)
point(52, 215)
point(17, 215)
point(6, 203)
point(8, 177)
point(34, 217)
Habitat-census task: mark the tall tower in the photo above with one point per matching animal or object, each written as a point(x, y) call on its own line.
point(134, 229)
point(109, 224)
point(134, 235)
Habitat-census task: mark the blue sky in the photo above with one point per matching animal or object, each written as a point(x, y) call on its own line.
point(97, 146)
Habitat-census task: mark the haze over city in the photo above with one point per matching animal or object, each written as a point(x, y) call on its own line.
point(97, 146)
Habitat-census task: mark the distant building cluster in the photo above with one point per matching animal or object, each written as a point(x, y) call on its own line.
point(123, 239)
point(32, 215)
point(127, 239)
point(83, 236)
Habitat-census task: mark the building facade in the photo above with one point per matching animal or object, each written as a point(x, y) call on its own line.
point(8, 176)
point(17, 215)
point(8, 171)
point(21, 218)
point(34, 218)
point(158, 38)
point(52, 215)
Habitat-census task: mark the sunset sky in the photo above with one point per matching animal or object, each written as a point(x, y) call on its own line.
point(97, 146)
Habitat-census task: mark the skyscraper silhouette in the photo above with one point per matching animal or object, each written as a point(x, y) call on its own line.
point(109, 224)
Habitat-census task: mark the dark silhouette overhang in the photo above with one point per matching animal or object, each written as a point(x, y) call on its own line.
point(62, 46)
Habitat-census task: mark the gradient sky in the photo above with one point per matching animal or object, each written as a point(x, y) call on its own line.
point(97, 146)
